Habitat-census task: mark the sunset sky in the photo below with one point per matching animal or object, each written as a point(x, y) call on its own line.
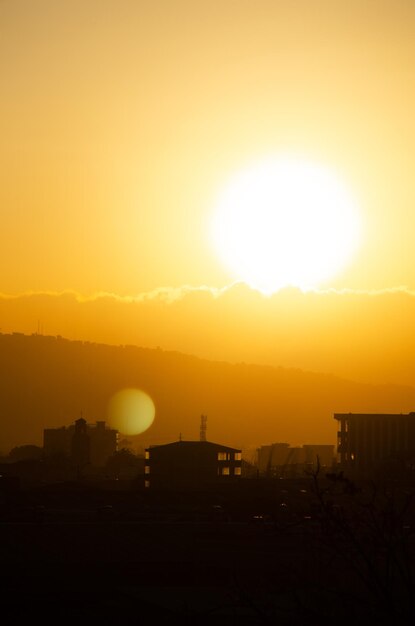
point(122, 123)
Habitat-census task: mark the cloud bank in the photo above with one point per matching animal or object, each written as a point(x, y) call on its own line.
point(362, 335)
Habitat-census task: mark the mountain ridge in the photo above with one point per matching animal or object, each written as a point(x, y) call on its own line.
point(48, 381)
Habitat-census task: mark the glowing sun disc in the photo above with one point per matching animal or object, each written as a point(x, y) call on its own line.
point(285, 222)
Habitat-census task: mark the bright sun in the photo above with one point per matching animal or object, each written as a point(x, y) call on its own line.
point(284, 222)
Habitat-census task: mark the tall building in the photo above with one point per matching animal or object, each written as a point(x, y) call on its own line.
point(368, 440)
point(85, 444)
point(80, 444)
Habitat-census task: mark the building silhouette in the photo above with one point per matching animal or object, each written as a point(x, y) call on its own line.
point(80, 444)
point(280, 460)
point(83, 443)
point(366, 441)
point(191, 465)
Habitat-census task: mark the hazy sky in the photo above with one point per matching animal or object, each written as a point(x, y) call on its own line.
point(121, 121)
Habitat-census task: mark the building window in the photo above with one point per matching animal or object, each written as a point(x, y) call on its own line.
point(225, 471)
point(147, 469)
point(238, 456)
point(146, 484)
point(237, 471)
point(147, 454)
point(224, 456)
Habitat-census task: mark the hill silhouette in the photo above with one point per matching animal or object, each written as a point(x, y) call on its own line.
point(49, 381)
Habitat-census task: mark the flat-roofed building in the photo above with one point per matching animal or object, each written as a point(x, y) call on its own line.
point(271, 456)
point(319, 454)
point(279, 460)
point(83, 443)
point(367, 440)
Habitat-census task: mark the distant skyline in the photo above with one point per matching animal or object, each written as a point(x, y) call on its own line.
point(47, 382)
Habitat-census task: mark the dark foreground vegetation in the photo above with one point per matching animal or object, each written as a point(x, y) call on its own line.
point(318, 550)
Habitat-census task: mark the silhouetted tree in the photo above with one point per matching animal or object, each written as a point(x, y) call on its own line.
point(368, 535)
point(25, 453)
point(124, 464)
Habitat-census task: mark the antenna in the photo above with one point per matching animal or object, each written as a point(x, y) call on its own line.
point(203, 421)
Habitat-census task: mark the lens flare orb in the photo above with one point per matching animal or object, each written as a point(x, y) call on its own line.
point(131, 411)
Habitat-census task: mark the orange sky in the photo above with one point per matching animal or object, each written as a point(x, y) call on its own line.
point(367, 337)
point(121, 121)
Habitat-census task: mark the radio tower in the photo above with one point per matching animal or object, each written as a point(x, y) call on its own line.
point(203, 420)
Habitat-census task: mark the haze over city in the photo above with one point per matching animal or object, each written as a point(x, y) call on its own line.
point(207, 303)
point(143, 184)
